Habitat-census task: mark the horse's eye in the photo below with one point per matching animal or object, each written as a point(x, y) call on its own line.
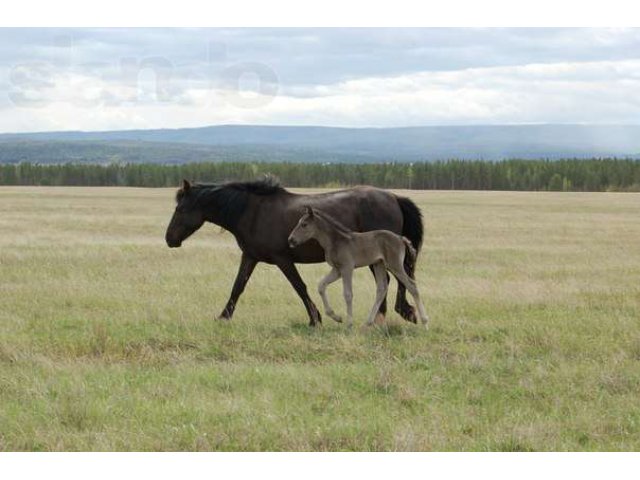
point(304, 225)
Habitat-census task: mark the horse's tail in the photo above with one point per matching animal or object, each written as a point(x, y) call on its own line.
point(410, 255)
point(412, 229)
point(411, 222)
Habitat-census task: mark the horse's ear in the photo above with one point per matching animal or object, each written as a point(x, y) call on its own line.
point(308, 210)
point(186, 186)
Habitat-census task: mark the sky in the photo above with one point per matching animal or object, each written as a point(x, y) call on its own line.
point(111, 79)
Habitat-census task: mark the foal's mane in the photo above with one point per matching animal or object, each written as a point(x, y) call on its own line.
point(230, 199)
point(333, 223)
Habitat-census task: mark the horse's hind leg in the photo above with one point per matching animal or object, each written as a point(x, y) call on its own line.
point(382, 283)
point(402, 306)
point(397, 268)
point(331, 277)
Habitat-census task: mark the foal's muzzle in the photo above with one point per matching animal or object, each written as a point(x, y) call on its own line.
point(292, 243)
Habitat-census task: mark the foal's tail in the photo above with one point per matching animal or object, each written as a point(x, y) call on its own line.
point(410, 254)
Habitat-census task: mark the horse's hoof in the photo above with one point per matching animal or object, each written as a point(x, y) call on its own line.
point(335, 317)
point(410, 315)
point(408, 312)
point(225, 317)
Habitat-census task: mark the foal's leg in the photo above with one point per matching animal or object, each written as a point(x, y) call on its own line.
point(382, 311)
point(331, 277)
point(397, 268)
point(382, 283)
point(347, 290)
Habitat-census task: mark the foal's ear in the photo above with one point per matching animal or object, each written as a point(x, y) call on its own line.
point(308, 210)
point(186, 186)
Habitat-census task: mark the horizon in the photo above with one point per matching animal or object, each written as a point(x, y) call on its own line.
point(334, 127)
point(105, 79)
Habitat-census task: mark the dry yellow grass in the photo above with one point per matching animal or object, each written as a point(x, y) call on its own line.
point(107, 337)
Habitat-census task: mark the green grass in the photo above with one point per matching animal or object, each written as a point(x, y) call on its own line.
point(108, 339)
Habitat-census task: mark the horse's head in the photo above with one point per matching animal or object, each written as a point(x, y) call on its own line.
point(305, 230)
point(187, 218)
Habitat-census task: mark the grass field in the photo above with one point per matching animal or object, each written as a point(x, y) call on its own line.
point(108, 339)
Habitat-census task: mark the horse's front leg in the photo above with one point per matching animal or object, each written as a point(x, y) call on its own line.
point(331, 277)
point(247, 264)
point(347, 290)
point(291, 272)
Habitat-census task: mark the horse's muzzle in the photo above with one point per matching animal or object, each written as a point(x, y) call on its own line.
point(292, 243)
point(173, 243)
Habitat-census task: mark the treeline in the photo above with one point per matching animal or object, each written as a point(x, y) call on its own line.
point(536, 175)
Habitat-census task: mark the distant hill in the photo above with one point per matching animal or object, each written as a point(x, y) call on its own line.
point(130, 151)
point(323, 144)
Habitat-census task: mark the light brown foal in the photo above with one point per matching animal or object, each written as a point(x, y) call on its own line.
point(346, 250)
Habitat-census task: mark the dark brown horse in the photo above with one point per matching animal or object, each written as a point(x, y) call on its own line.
point(261, 214)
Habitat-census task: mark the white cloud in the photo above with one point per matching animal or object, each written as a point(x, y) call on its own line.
point(589, 92)
point(389, 77)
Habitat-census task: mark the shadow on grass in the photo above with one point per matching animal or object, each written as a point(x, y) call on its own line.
point(385, 330)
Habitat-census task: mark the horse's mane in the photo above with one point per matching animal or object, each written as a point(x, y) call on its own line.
point(335, 224)
point(268, 185)
point(230, 199)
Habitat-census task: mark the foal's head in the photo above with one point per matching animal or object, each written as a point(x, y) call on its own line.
point(187, 218)
point(306, 229)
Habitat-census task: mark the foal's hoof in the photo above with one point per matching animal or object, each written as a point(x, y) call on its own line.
point(224, 316)
point(335, 317)
point(379, 319)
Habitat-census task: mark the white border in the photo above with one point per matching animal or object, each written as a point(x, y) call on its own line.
point(312, 466)
point(288, 13)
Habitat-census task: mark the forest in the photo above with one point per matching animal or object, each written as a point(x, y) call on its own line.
point(593, 175)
